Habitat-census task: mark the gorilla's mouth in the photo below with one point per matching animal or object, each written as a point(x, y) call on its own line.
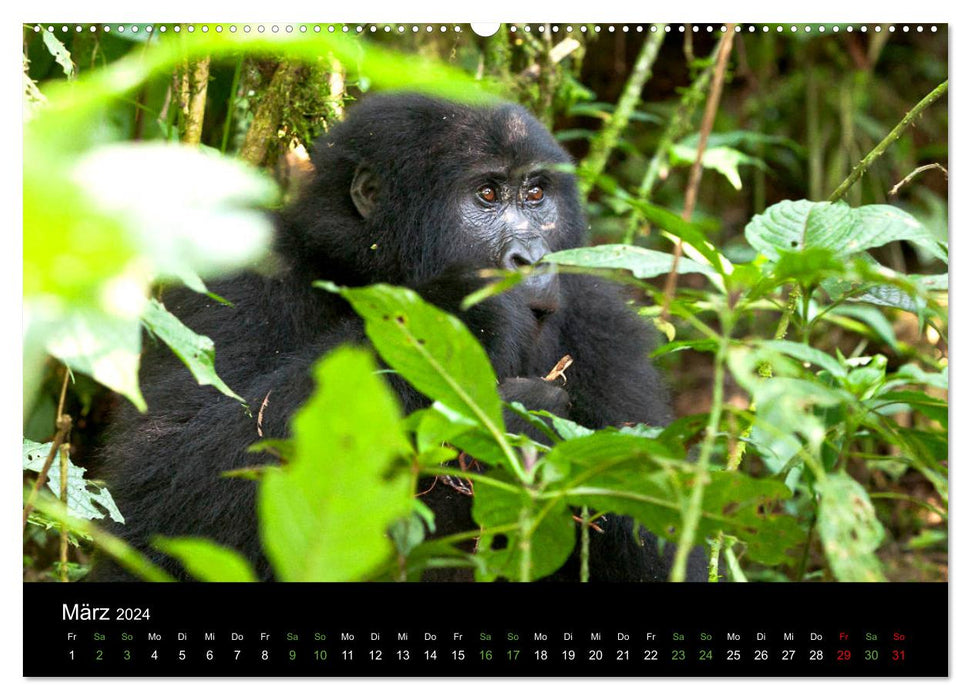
point(543, 295)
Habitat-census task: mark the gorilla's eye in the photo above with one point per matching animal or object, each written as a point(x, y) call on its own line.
point(534, 194)
point(487, 193)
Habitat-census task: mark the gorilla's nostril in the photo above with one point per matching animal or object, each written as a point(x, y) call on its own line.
point(520, 261)
point(541, 312)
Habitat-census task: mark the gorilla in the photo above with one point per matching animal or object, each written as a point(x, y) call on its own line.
point(414, 191)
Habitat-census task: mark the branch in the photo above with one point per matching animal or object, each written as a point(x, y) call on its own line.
point(195, 83)
point(694, 179)
point(894, 134)
point(924, 168)
point(593, 165)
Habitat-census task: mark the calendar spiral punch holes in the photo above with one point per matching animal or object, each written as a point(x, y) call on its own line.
point(550, 349)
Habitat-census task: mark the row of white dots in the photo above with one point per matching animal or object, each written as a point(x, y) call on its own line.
point(360, 29)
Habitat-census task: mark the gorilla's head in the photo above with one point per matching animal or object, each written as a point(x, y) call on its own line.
point(410, 186)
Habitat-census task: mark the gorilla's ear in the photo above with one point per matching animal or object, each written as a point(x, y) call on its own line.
point(364, 190)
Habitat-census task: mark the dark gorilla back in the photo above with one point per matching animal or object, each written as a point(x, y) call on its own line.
point(414, 191)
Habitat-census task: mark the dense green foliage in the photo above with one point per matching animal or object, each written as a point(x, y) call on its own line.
point(806, 338)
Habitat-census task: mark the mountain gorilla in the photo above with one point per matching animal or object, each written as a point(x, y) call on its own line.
point(411, 191)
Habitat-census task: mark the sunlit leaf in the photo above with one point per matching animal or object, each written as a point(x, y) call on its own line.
point(207, 561)
point(325, 516)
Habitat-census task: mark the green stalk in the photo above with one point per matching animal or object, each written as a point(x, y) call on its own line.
point(677, 127)
point(692, 516)
point(881, 147)
point(593, 165)
point(585, 545)
point(231, 104)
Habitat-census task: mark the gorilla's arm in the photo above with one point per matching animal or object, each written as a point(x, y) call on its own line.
point(611, 380)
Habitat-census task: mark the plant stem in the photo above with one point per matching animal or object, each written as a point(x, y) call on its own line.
point(63, 449)
point(692, 515)
point(525, 546)
point(63, 423)
point(917, 171)
point(881, 147)
point(593, 165)
point(716, 547)
point(694, 178)
point(585, 545)
point(231, 105)
point(195, 84)
point(676, 128)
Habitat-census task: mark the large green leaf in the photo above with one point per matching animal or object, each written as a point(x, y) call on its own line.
point(643, 263)
point(99, 228)
point(849, 529)
point(431, 349)
point(834, 226)
point(325, 517)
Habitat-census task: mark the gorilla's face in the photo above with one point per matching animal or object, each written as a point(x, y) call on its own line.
point(437, 187)
point(509, 217)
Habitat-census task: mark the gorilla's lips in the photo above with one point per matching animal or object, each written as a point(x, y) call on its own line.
point(542, 294)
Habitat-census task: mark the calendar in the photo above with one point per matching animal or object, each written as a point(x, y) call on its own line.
point(337, 630)
point(545, 349)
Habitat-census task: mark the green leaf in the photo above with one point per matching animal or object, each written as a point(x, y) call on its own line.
point(85, 499)
point(835, 227)
point(435, 352)
point(894, 401)
point(619, 473)
point(100, 227)
point(99, 344)
point(204, 222)
point(197, 352)
point(849, 529)
point(809, 354)
point(325, 517)
point(721, 159)
point(873, 318)
point(59, 52)
point(551, 537)
point(642, 263)
point(913, 374)
point(207, 561)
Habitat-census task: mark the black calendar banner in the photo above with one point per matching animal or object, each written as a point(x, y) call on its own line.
point(510, 349)
point(331, 630)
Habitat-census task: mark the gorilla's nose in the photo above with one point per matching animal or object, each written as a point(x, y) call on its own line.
point(523, 252)
point(542, 290)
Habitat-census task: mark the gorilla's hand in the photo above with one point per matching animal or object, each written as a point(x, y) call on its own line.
point(536, 395)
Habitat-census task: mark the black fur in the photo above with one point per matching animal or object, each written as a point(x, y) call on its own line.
point(396, 198)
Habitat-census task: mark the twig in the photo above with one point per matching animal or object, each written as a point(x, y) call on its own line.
point(924, 168)
point(881, 147)
point(694, 179)
point(593, 165)
point(259, 416)
point(63, 424)
point(677, 127)
point(64, 450)
point(559, 369)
